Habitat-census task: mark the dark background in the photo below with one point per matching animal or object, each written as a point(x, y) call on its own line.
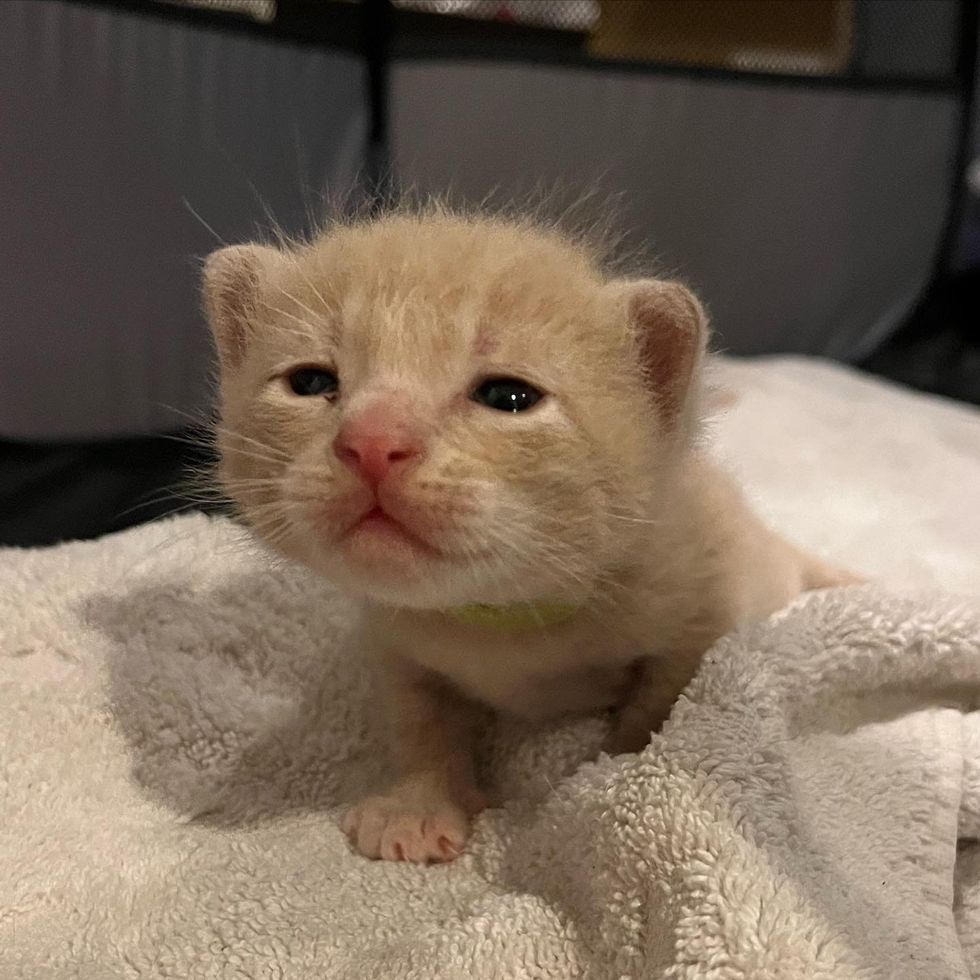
point(806, 164)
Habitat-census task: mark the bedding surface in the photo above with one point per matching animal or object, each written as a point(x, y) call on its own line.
point(184, 721)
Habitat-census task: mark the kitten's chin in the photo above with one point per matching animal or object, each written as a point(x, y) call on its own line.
point(397, 570)
point(394, 577)
point(380, 558)
point(393, 574)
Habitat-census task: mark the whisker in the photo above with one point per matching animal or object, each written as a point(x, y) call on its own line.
point(232, 434)
point(632, 519)
point(186, 501)
point(251, 483)
point(313, 313)
point(309, 331)
point(202, 222)
point(200, 419)
point(309, 282)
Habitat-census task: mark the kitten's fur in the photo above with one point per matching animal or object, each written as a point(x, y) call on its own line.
point(600, 497)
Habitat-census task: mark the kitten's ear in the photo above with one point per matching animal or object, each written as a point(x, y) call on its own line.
point(232, 280)
point(671, 331)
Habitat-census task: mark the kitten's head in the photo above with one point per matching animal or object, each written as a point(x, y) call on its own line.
point(434, 410)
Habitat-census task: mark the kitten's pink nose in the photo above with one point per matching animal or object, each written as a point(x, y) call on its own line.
point(376, 442)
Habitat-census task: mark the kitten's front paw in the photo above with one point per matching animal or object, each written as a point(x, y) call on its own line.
point(395, 828)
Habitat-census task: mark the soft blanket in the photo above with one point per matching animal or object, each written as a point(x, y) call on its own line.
point(183, 722)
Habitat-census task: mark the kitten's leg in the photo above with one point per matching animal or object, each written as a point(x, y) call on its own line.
point(648, 704)
point(818, 574)
point(425, 815)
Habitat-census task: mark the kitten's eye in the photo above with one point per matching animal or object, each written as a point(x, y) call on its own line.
point(314, 381)
point(507, 394)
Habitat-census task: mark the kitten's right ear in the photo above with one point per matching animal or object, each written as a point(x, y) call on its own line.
point(231, 286)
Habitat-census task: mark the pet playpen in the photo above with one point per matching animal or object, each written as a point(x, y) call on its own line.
point(800, 161)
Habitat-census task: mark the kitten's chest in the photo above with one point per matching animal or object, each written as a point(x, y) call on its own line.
point(534, 674)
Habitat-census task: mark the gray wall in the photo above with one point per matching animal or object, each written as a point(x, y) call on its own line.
point(110, 121)
point(807, 217)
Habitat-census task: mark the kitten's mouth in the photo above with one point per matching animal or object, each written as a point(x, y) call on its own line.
point(378, 525)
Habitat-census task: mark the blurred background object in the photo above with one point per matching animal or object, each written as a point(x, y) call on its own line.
point(571, 15)
point(795, 37)
point(803, 163)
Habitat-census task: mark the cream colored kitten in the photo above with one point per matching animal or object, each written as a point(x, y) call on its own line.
point(468, 425)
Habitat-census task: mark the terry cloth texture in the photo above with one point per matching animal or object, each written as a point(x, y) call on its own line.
point(183, 722)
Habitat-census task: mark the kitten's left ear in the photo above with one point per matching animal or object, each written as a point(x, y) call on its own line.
point(671, 331)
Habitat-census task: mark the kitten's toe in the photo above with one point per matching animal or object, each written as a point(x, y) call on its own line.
point(395, 830)
point(364, 824)
point(437, 836)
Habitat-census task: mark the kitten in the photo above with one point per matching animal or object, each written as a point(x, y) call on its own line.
point(468, 424)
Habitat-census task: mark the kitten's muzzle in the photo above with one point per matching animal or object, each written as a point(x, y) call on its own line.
point(377, 443)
